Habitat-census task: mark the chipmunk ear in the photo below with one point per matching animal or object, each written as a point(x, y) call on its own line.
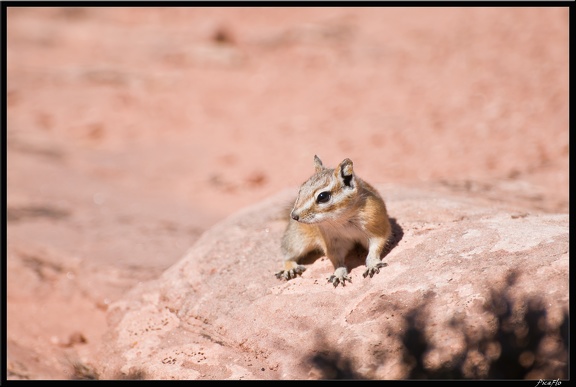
point(345, 173)
point(318, 164)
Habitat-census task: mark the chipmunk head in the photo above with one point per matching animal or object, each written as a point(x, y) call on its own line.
point(326, 195)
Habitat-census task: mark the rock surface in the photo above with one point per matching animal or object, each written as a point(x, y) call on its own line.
point(471, 290)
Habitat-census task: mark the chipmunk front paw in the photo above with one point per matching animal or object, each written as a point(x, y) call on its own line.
point(372, 269)
point(291, 273)
point(340, 276)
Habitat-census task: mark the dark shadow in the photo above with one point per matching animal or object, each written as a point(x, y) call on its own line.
point(521, 339)
point(395, 238)
point(520, 333)
point(81, 371)
point(332, 364)
point(522, 345)
point(311, 257)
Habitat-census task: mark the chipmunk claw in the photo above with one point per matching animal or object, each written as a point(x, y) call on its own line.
point(335, 280)
point(375, 269)
point(291, 273)
point(340, 276)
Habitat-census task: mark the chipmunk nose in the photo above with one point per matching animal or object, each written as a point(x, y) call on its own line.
point(294, 216)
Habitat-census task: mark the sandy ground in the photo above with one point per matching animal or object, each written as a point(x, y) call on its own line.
point(132, 130)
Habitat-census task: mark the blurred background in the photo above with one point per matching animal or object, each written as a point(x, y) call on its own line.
point(132, 130)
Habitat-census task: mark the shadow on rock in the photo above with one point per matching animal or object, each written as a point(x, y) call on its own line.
point(397, 235)
point(522, 345)
point(331, 364)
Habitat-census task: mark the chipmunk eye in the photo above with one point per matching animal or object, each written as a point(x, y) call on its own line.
point(323, 197)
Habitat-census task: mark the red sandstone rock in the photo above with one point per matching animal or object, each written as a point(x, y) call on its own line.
point(219, 313)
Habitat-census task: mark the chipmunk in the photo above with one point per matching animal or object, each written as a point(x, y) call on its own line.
point(333, 212)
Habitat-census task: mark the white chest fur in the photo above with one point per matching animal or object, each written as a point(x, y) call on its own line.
point(340, 238)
